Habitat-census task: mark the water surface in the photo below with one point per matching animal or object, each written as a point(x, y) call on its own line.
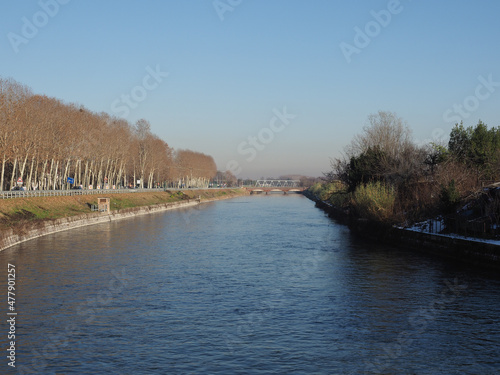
point(252, 285)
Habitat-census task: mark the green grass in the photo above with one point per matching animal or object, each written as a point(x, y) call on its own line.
point(24, 212)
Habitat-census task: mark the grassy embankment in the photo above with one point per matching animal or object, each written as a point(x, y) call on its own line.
point(27, 212)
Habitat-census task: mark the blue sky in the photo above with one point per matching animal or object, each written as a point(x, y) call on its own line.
point(233, 64)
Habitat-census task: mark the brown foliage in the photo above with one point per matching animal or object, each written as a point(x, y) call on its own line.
point(44, 141)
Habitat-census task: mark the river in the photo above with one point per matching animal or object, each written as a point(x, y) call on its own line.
point(252, 285)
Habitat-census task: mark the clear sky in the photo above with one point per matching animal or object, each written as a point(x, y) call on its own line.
point(233, 65)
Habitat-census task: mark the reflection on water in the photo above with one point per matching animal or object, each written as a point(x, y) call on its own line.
point(253, 285)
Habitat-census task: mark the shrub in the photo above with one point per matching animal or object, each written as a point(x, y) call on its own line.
point(316, 188)
point(324, 191)
point(339, 198)
point(449, 196)
point(375, 201)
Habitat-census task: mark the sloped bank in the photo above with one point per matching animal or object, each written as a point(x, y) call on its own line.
point(21, 231)
point(470, 251)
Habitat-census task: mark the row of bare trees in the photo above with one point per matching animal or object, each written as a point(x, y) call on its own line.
point(43, 141)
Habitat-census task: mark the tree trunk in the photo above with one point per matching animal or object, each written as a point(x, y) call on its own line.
point(37, 183)
point(49, 177)
point(28, 182)
point(86, 180)
point(4, 160)
point(54, 183)
point(65, 176)
point(43, 185)
point(24, 166)
point(13, 173)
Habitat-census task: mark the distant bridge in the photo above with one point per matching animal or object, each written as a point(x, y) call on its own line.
point(277, 183)
point(278, 186)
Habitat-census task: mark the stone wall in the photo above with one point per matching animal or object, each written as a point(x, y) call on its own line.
point(14, 237)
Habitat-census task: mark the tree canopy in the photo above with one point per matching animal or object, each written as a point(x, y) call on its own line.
point(43, 141)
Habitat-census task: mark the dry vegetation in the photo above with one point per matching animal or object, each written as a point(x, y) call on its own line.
point(385, 176)
point(44, 141)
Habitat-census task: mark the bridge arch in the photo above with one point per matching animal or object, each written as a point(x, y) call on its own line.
point(274, 186)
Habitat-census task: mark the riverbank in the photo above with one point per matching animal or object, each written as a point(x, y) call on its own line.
point(470, 251)
point(23, 219)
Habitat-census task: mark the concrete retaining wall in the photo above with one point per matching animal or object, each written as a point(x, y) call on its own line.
point(472, 252)
point(11, 238)
point(468, 251)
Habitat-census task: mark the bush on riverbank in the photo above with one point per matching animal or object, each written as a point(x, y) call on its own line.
point(386, 177)
point(375, 201)
point(324, 191)
point(334, 193)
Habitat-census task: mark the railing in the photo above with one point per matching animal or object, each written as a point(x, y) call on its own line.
point(483, 227)
point(277, 183)
point(54, 193)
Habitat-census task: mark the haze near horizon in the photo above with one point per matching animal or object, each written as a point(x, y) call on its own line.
point(266, 88)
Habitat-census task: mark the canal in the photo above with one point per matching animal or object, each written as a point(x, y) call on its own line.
point(252, 285)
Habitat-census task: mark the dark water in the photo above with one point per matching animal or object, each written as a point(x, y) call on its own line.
point(254, 285)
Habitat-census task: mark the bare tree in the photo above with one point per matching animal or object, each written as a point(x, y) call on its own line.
point(44, 141)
